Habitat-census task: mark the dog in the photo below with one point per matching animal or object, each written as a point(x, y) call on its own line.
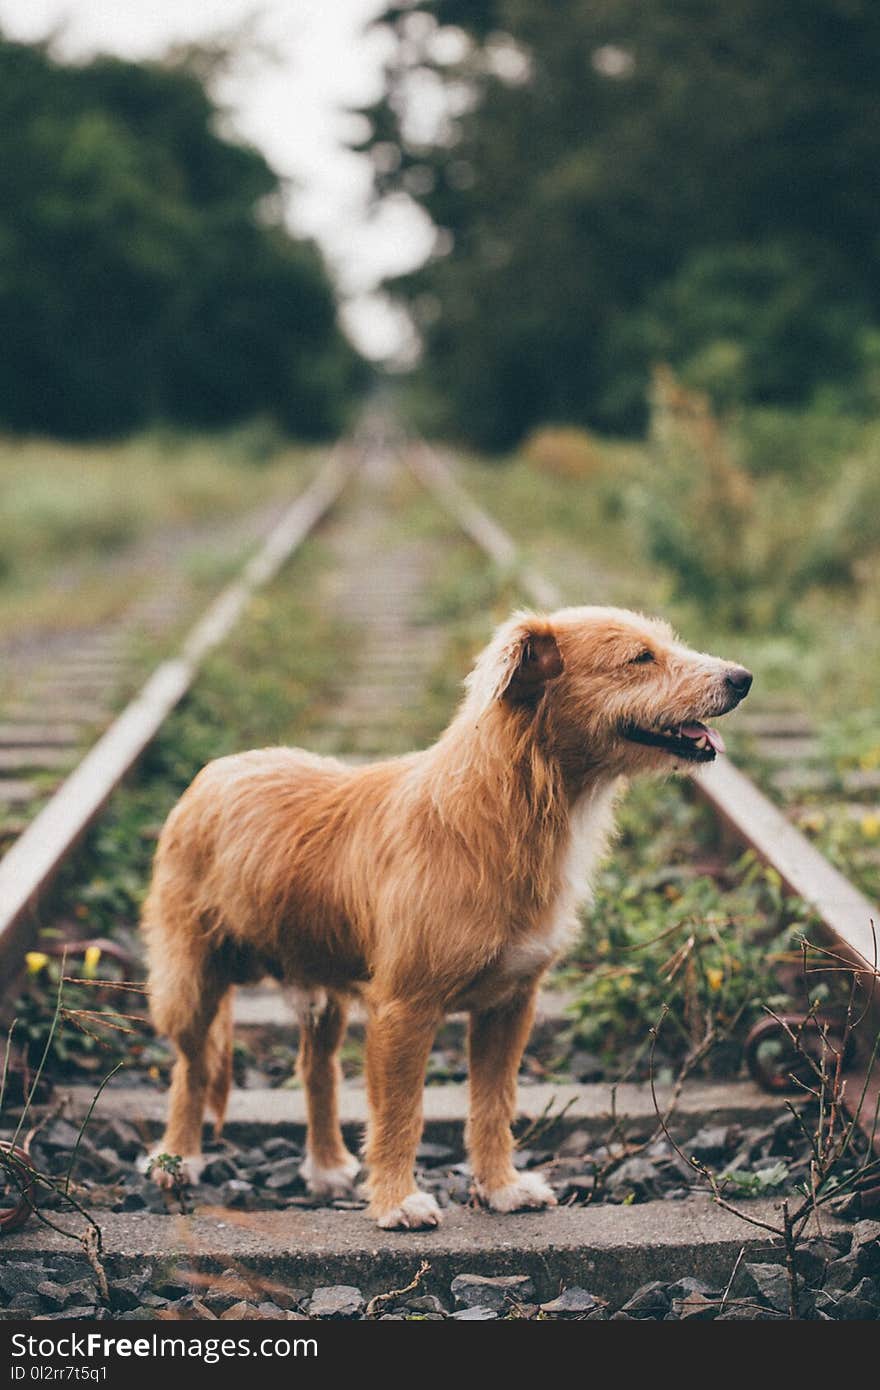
point(446, 879)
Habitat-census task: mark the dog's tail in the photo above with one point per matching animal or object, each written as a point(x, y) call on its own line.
point(218, 1055)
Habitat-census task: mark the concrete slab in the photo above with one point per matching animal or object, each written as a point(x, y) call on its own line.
point(15, 792)
point(34, 759)
point(40, 707)
point(587, 1107)
point(42, 735)
point(776, 724)
point(793, 748)
point(610, 1250)
point(266, 1006)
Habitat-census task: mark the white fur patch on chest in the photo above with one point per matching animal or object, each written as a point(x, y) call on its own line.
point(592, 819)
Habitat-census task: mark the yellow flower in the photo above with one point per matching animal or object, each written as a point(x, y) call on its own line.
point(90, 965)
point(35, 961)
point(870, 760)
point(871, 825)
point(715, 978)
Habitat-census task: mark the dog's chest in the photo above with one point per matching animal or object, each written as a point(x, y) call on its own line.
point(591, 821)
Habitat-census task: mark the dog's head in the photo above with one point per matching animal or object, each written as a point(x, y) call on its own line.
point(608, 687)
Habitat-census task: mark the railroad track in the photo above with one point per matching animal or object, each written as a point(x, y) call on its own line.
point(259, 1228)
point(59, 689)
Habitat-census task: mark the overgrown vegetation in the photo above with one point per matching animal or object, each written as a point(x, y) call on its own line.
point(745, 536)
point(839, 1123)
point(73, 516)
point(678, 928)
point(755, 533)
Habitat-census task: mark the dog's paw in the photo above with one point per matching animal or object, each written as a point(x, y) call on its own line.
point(335, 1181)
point(417, 1212)
point(528, 1192)
point(169, 1170)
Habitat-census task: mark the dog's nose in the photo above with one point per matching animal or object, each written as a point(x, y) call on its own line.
point(739, 681)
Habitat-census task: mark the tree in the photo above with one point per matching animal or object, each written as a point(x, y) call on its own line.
point(145, 272)
point(611, 175)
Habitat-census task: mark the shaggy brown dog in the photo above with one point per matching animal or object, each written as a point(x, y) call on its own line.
point(447, 879)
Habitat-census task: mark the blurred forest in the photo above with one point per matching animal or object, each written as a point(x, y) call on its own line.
point(622, 182)
point(145, 270)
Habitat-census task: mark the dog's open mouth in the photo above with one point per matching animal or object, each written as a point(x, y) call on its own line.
point(694, 741)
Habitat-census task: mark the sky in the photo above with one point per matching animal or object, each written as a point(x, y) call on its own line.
point(312, 59)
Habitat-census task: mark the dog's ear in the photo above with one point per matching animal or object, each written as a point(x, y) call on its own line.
point(516, 665)
point(536, 661)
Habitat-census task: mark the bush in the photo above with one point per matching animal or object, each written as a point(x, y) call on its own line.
point(746, 543)
point(697, 504)
point(802, 443)
point(563, 452)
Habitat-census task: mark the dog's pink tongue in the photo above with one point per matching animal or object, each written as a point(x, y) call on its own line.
point(697, 730)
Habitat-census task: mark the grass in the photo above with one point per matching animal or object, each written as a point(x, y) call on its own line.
point(73, 515)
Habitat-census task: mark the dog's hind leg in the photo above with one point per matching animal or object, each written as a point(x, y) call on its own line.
point(329, 1170)
point(219, 1060)
point(191, 1082)
point(399, 1038)
point(496, 1041)
point(190, 1002)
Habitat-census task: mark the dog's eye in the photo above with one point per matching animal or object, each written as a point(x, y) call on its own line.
point(643, 658)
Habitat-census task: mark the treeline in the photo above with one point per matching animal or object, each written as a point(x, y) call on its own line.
point(145, 271)
point(621, 182)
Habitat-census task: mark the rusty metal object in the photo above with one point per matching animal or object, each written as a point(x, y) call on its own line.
point(111, 949)
point(795, 1055)
point(22, 1084)
point(14, 1217)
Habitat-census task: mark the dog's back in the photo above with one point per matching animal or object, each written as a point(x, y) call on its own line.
point(243, 883)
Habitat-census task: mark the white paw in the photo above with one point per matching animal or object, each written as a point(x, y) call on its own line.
point(415, 1213)
point(330, 1182)
point(186, 1172)
point(529, 1191)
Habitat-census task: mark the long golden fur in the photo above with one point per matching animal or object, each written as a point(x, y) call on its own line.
point(446, 879)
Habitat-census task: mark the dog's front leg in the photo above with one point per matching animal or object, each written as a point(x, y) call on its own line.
point(496, 1042)
point(399, 1038)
